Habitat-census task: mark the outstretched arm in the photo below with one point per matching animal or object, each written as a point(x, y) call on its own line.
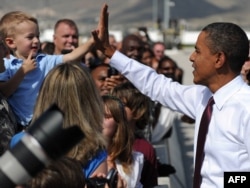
point(79, 52)
point(101, 34)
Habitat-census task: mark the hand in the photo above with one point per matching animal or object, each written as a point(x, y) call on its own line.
point(101, 34)
point(245, 71)
point(98, 175)
point(113, 81)
point(29, 64)
point(121, 183)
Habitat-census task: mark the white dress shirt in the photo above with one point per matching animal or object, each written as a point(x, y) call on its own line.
point(227, 146)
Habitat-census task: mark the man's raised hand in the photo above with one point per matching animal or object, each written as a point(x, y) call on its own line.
point(101, 34)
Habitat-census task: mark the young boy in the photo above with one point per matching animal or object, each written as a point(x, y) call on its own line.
point(26, 68)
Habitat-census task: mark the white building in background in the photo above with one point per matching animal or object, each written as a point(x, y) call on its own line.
point(117, 33)
point(188, 38)
point(47, 35)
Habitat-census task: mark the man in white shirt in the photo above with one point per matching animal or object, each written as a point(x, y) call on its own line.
point(220, 51)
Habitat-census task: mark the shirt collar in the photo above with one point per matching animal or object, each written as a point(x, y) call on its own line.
point(227, 91)
point(14, 60)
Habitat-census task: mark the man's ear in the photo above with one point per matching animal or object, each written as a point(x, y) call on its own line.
point(54, 37)
point(221, 59)
point(9, 41)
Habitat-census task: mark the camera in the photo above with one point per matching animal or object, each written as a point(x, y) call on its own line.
point(98, 182)
point(112, 71)
point(44, 141)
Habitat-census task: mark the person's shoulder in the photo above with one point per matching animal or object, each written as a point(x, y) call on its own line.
point(11, 61)
point(143, 141)
point(144, 146)
point(102, 153)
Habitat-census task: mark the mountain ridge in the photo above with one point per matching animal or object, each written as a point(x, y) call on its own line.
point(130, 13)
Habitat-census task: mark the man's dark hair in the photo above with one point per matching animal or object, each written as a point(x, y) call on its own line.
point(230, 39)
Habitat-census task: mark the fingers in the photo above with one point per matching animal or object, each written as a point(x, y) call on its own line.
point(95, 35)
point(31, 59)
point(103, 23)
point(121, 183)
point(106, 22)
point(245, 68)
point(99, 175)
point(103, 15)
point(29, 64)
point(106, 17)
point(30, 55)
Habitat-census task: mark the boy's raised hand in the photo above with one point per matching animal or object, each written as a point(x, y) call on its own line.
point(101, 34)
point(29, 64)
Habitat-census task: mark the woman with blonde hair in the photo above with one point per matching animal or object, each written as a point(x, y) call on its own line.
point(72, 89)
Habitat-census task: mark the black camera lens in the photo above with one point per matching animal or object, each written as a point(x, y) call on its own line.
point(96, 182)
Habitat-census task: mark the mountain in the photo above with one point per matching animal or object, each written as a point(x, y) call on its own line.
point(133, 13)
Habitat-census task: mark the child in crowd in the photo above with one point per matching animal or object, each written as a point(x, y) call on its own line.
point(137, 111)
point(120, 140)
point(26, 68)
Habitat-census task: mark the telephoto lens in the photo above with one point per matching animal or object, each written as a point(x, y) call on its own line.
point(44, 141)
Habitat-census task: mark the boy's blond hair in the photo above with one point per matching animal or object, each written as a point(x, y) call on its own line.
point(10, 21)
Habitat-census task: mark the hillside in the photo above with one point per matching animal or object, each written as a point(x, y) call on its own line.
point(130, 13)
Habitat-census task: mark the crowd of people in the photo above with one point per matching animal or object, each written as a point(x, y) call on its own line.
point(125, 96)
